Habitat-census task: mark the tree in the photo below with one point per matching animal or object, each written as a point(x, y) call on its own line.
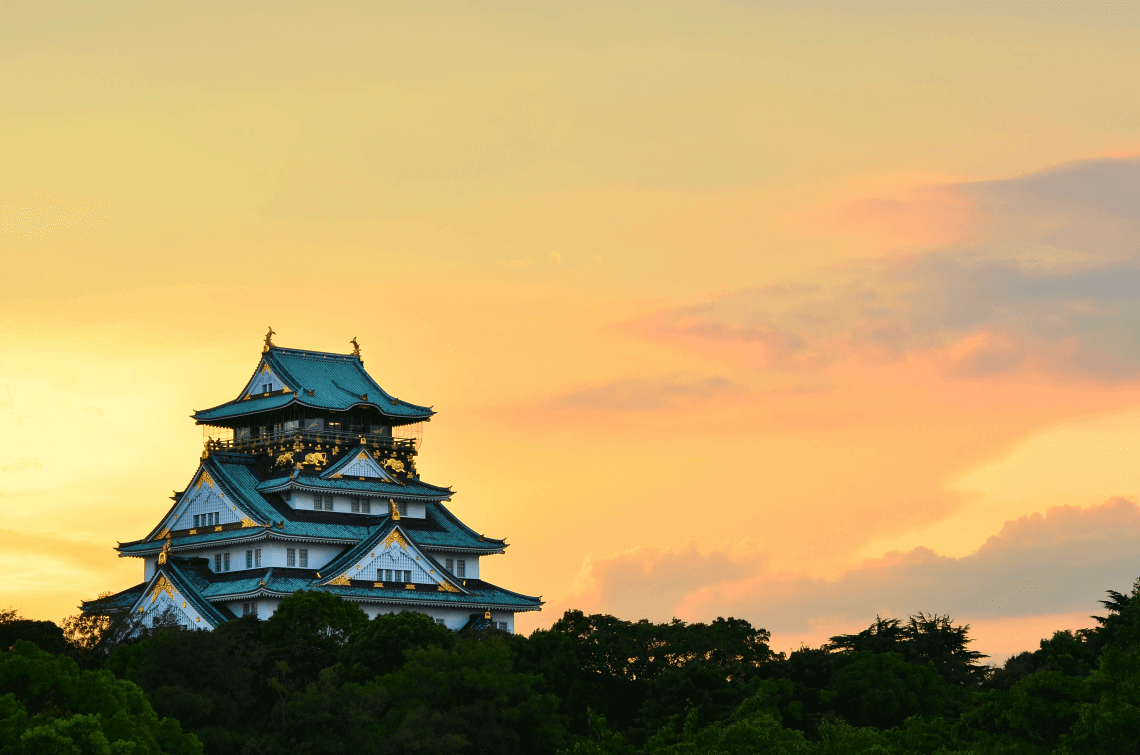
point(43, 634)
point(308, 630)
point(378, 648)
point(213, 682)
point(924, 638)
point(468, 699)
point(883, 690)
point(52, 705)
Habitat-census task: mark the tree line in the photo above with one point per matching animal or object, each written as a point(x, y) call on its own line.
point(319, 677)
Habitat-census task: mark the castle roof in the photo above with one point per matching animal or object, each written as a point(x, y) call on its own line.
point(318, 380)
point(205, 589)
point(269, 517)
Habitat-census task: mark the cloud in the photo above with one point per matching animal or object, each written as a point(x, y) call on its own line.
point(9, 464)
point(1061, 561)
point(652, 582)
point(1046, 280)
point(639, 395)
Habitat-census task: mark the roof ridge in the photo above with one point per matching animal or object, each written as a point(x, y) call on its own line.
point(311, 352)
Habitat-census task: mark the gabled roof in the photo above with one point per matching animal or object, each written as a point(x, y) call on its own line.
point(234, 474)
point(319, 380)
point(359, 465)
point(340, 568)
point(182, 580)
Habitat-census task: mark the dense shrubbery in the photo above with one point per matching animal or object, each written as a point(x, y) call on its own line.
point(318, 677)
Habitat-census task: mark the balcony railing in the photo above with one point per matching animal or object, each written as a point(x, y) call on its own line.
point(332, 438)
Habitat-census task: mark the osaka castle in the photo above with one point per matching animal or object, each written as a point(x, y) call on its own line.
point(308, 481)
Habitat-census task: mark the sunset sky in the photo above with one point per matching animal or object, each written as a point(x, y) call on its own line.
point(795, 313)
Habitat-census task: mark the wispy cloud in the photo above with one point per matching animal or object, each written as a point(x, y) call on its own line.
point(639, 395)
point(1060, 561)
point(1047, 279)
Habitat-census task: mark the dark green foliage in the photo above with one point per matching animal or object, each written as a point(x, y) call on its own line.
point(924, 639)
point(45, 635)
point(469, 699)
point(49, 705)
point(379, 646)
point(319, 678)
point(308, 630)
point(883, 690)
point(642, 674)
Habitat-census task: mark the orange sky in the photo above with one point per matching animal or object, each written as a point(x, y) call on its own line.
point(796, 314)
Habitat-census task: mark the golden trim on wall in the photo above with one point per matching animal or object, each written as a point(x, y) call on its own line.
point(162, 585)
point(394, 536)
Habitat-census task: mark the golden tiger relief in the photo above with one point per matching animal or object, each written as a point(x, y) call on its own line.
point(285, 458)
point(317, 458)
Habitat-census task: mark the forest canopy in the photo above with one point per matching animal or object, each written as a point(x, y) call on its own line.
point(319, 677)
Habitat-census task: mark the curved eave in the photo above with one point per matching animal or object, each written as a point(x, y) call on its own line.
point(443, 604)
point(432, 494)
point(262, 533)
point(250, 407)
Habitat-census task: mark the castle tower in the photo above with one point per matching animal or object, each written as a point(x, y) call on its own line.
point(309, 482)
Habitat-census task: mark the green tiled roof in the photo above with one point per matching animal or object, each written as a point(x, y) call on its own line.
point(439, 530)
point(120, 601)
point(479, 594)
point(190, 581)
point(338, 383)
point(412, 488)
point(236, 474)
point(200, 586)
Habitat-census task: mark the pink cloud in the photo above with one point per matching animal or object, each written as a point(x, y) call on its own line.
point(1052, 564)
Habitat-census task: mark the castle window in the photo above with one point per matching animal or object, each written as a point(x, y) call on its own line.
point(461, 568)
point(195, 521)
point(365, 506)
point(217, 562)
point(449, 564)
point(439, 621)
point(328, 503)
point(249, 609)
point(317, 502)
point(290, 557)
point(407, 576)
point(249, 559)
point(257, 557)
point(225, 562)
point(304, 558)
point(387, 574)
point(266, 387)
point(355, 504)
point(402, 508)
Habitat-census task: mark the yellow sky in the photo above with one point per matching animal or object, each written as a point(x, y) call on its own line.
point(716, 301)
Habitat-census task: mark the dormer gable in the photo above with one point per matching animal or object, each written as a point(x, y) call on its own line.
point(265, 382)
point(358, 466)
point(389, 559)
point(204, 505)
point(169, 599)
